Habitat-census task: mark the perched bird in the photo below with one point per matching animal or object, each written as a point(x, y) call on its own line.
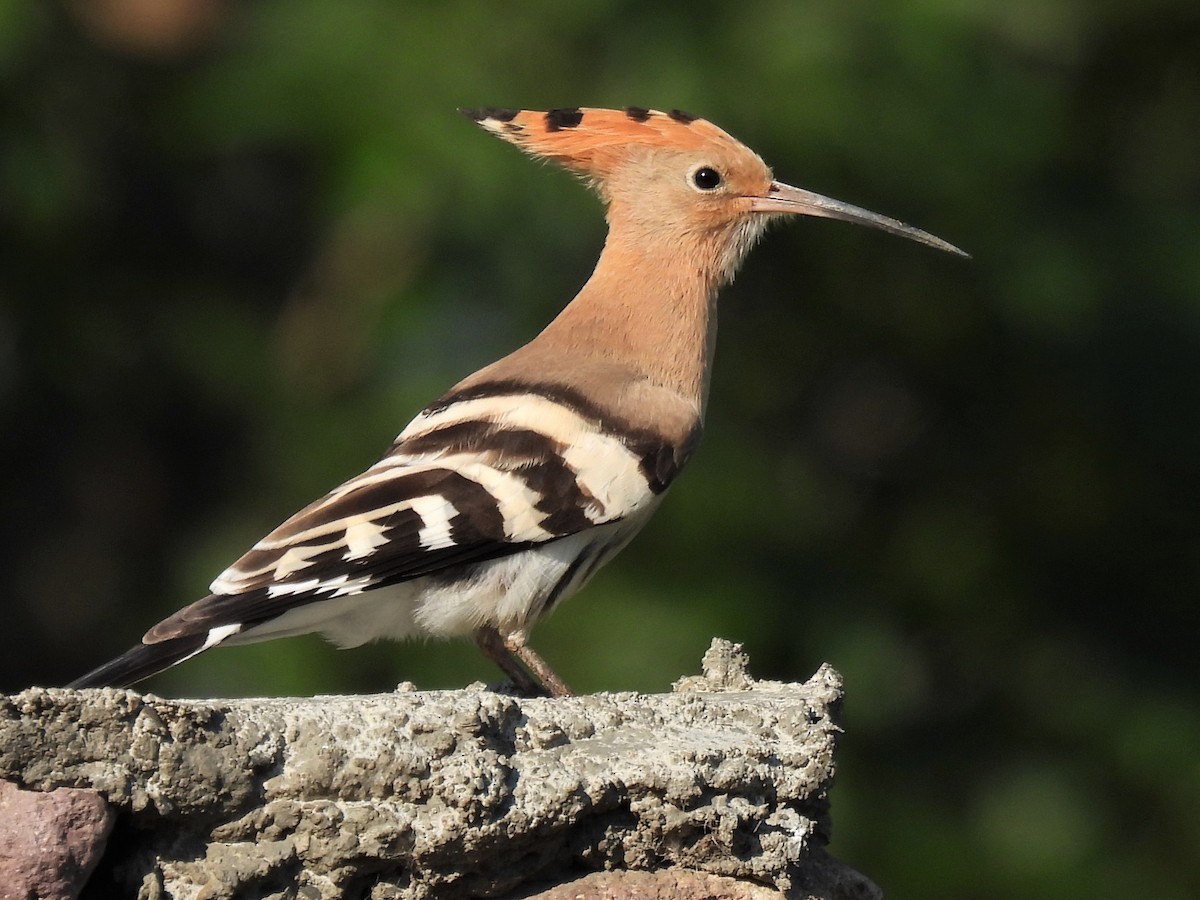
point(507, 493)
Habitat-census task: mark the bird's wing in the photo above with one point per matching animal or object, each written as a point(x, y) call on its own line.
point(478, 475)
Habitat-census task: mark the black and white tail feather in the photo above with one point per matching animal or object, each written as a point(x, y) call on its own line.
point(494, 504)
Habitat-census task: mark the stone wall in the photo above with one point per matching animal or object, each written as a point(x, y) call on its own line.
point(718, 789)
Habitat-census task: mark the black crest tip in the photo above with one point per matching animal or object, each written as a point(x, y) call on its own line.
point(565, 117)
point(637, 113)
point(682, 117)
point(500, 114)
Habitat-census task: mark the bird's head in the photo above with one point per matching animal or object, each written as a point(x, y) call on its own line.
point(673, 176)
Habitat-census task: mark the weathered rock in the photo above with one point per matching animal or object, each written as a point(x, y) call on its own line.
point(49, 842)
point(668, 884)
point(445, 794)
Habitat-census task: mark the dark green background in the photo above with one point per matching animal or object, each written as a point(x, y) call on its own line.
point(238, 250)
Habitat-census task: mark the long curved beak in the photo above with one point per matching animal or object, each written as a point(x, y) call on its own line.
point(785, 199)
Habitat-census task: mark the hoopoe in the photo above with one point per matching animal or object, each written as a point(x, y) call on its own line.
point(507, 493)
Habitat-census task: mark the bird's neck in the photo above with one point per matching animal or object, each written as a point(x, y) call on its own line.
point(648, 309)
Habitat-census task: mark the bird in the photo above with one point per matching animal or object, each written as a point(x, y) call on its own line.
point(504, 496)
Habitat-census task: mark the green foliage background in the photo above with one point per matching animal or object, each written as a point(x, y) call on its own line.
point(241, 244)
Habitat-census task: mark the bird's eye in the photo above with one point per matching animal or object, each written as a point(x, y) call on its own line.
point(706, 178)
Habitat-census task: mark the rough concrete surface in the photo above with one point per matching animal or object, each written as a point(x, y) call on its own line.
point(467, 793)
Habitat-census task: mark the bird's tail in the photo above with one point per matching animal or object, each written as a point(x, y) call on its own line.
point(142, 661)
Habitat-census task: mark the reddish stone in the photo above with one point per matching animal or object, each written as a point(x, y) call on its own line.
point(50, 842)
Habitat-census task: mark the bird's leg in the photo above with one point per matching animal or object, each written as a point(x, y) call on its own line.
point(515, 643)
point(505, 649)
point(495, 648)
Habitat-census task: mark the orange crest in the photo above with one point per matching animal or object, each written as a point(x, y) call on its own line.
point(593, 142)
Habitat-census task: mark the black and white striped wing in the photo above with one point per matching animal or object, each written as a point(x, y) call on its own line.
point(476, 476)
